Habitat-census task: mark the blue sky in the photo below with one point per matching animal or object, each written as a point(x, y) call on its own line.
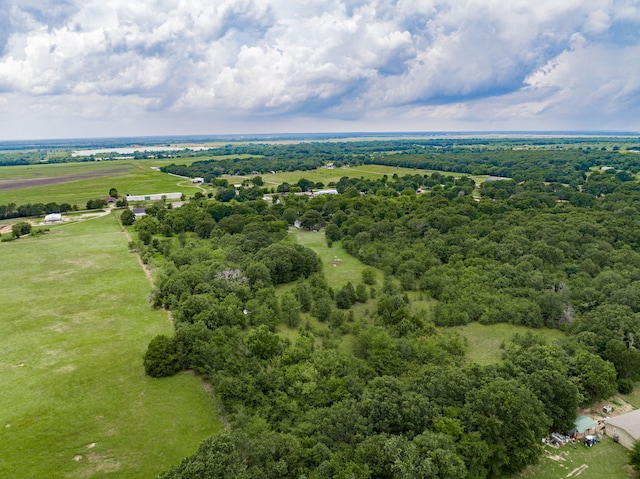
point(93, 68)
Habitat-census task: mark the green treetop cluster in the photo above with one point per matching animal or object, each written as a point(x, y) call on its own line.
point(388, 393)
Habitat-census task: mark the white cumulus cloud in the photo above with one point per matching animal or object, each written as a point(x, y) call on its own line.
point(472, 60)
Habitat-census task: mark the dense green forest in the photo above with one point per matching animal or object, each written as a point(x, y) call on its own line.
point(543, 160)
point(549, 154)
point(388, 393)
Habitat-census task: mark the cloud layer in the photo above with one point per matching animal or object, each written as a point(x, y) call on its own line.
point(382, 64)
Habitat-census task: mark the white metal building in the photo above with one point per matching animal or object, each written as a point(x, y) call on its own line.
point(53, 218)
point(155, 197)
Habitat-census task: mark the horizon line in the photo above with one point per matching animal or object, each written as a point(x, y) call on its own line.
point(327, 134)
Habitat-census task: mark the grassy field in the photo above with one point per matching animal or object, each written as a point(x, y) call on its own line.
point(76, 183)
point(326, 176)
point(604, 460)
point(634, 397)
point(75, 400)
point(484, 341)
point(347, 268)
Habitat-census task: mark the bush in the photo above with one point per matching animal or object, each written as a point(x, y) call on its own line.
point(96, 204)
point(625, 386)
point(40, 232)
point(322, 308)
point(634, 457)
point(369, 276)
point(127, 217)
point(361, 293)
point(22, 228)
point(332, 232)
point(161, 359)
point(346, 296)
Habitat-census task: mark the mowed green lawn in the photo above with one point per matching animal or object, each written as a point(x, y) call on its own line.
point(605, 460)
point(74, 326)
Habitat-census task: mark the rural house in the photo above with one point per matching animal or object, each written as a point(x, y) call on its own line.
point(626, 427)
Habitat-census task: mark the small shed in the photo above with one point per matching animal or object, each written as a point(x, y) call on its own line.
point(53, 218)
point(626, 427)
point(584, 425)
point(139, 212)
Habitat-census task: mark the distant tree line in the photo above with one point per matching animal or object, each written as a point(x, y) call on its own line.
point(564, 165)
point(568, 166)
point(12, 210)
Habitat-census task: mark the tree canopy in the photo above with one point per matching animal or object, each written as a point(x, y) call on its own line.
point(355, 379)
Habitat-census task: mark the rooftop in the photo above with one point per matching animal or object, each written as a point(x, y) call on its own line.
point(630, 422)
point(583, 423)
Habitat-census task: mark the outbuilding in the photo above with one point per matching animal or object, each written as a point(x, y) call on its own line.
point(155, 197)
point(139, 212)
point(624, 428)
point(53, 218)
point(583, 426)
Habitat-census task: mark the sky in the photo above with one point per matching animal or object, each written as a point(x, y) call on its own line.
point(101, 68)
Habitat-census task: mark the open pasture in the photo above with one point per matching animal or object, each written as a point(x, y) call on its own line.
point(484, 340)
point(76, 183)
point(326, 175)
point(75, 399)
point(338, 266)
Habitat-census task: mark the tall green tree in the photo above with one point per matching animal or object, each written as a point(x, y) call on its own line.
point(127, 217)
point(262, 343)
point(511, 420)
point(427, 456)
point(290, 310)
point(312, 220)
point(216, 458)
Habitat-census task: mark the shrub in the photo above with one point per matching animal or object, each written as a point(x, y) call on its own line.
point(96, 204)
point(161, 359)
point(22, 228)
point(625, 386)
point(127, 217)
